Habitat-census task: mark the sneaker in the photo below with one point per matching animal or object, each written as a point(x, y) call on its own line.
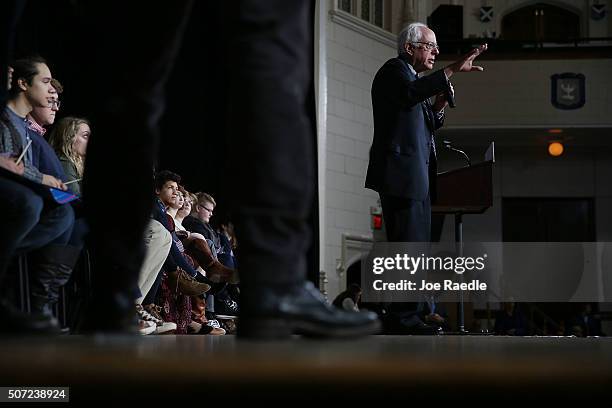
point(154, 310)
point(217, 332)
point(146, 327)
point(165, 328)
point(146, 316)
point(215, 325)
point(197, 328)
point(227, 307)
point(229, 326)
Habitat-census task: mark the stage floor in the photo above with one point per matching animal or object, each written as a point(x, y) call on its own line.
point(387, 367)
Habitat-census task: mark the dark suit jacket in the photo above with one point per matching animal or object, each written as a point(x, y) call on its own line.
point(401, 161)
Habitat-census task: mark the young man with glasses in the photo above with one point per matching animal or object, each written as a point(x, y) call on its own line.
point(199, 221)
point(43, 155)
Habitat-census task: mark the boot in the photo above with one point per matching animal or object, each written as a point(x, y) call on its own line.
point(215, 270)
point(51, 269)
point(180, 281)
point(198, 309)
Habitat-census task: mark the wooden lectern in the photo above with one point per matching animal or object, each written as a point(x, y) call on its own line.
point(467, 190)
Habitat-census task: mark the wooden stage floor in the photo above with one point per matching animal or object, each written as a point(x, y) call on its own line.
point(381, 368)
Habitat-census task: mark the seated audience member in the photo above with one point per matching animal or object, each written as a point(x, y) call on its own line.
point(32, 224)
point(219, 300)
point(585, 323)
point(166, 190)
point(224, 230)
point(349, 299)
point(197, 247)
point(195, 244)
point(510, 321)
point(30, 87)
point(43, 155)
point(69, 139)
point(434, 314)
point(227, 301)
point(47, 161)
point(199, 221)
point(181, 275)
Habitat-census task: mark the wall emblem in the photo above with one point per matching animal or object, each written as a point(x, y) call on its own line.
point(567, 90)
point(598, 11)
point(486, 14)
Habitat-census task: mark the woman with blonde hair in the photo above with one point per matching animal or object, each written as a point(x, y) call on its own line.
point(69, 139)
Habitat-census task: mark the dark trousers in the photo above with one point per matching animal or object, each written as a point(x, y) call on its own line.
point(271, 137)
point(267, 130)
point(135, 57)
point(406, 220)
point(28, 223)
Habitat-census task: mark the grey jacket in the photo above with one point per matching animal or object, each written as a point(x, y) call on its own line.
point(10, 145)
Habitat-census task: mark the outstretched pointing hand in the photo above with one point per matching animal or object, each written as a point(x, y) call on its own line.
point(465, 64)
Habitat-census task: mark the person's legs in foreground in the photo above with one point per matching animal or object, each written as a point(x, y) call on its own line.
point(136, 57)
point(271, 140)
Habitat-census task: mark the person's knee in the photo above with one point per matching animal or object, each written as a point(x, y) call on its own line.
point(67, 215)
point(166, 240)
point(31, 208)
point(29, 212)
point(63, 220)
point(23, 205)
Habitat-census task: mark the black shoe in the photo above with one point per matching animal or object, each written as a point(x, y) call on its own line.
point(301, 310)
point(226, 307)
point(15, 322)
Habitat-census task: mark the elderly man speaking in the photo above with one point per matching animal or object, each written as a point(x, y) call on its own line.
point(402, 166)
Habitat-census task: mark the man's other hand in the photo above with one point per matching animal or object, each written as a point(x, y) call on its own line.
point(10, 165)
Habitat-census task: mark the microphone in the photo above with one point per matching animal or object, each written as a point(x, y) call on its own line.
point(449, 146)
point(450, 95)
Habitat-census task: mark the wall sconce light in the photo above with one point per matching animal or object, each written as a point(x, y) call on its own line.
point(555, 149)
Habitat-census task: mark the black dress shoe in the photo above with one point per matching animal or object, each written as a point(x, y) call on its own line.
point(301, 310)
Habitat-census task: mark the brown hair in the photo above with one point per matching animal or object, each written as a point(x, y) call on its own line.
point(205, 198)
point(194, 202)
point(57, 85)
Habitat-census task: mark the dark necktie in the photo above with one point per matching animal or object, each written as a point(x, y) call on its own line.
point(430, 113)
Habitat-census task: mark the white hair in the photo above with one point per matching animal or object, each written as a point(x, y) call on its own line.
point(411, 33)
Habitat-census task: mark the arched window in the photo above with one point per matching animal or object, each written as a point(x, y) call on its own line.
point(541, 22)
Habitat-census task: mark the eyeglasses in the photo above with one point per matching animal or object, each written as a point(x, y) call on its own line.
point(54, 102)
point(428, 45)
point(210, 210)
